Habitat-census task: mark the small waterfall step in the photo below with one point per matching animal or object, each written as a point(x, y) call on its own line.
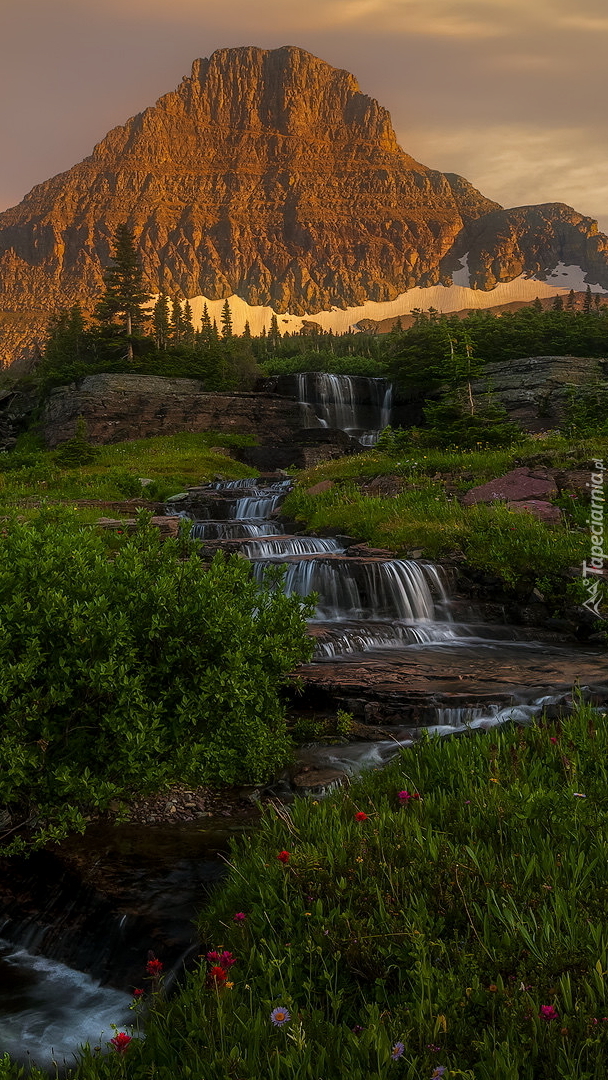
point(360, 588)
point(396, 684)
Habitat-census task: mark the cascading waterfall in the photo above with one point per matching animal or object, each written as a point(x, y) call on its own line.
point(257, 506)
point(341, 638)
point(356, 589)
point(354, 404)
point(291, 545)
point(233, 530)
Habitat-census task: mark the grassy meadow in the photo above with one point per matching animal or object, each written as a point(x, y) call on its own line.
point(444, 916)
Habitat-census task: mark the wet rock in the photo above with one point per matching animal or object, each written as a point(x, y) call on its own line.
point(316, 781)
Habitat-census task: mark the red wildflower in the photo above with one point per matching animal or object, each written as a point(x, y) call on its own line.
point(240, 916)
point(226, 959)
point(138, 993)
point(360, 816)
point(548, 1012)
point(154, 967)
point(121, 1041)
point(218, 974)
point(283, 856)
point(213, 957)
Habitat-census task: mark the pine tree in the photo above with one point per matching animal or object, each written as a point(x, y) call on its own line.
point(571, 302)
point(587, 302)
point(247, 331)
point(206, 328)
point(188, 324)
point(558, 302)
point(160, 321)
point(125, 293)
point(215, 336)
point(226, 321)
point(275, 333)
point(537, 304)
point(64, 343)
point(177, 322)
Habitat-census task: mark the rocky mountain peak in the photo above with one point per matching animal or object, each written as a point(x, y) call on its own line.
point(269, 174)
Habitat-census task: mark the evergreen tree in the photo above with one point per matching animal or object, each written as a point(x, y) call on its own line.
point(571, 302)
point(188, 324)
point(537, 304)
point(160, 321)
point(215, 336)
point(558, 303)
point(125, 293)
point(177, 322)
point(206, 327)
point(65, 343)
point(226, 321)
point(275, 333)
point(247, 331)
point(588, 301)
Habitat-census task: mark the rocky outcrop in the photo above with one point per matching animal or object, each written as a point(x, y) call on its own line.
point(535, 390)
point(530, 240)
point(119, 407)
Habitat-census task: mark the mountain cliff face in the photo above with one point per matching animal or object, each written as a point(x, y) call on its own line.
point(270, 175)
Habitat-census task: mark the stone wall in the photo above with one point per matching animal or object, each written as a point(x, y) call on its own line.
point(121, 407)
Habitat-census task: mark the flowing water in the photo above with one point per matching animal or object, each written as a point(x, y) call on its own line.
point(375, 620)
point(359, 406)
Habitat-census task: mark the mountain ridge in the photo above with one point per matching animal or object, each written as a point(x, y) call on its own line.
point(268, 174)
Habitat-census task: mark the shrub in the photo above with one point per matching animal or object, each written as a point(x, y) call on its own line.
point(121, 674)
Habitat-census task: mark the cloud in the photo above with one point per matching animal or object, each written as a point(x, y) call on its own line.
point(517, 164)
point(586, 23)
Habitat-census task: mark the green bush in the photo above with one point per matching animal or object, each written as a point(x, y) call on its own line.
point(121, 674)
point(324, 361)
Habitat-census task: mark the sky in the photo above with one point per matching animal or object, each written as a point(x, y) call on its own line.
point(509, 93)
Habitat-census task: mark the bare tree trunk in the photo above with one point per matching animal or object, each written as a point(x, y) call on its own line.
point(129, 342)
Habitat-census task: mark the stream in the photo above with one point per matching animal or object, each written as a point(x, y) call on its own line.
point(75, 931)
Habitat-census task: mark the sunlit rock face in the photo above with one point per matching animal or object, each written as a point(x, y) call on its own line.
point(268, 175)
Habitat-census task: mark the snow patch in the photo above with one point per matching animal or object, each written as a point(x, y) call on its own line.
point(462, 276)
point(444, 298)
point(570, 276)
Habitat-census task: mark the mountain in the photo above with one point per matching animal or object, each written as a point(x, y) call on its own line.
point(268, 174)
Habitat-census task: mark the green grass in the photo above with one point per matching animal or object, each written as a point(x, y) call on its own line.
point(427, 516)
point(445, 924)
point(172, 462)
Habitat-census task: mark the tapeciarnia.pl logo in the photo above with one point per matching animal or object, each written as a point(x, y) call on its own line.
point(593, 571)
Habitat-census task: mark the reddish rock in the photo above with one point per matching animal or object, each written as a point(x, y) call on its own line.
point(544, 511)
point(575, 482)
point(318, 489)
point(515, 486)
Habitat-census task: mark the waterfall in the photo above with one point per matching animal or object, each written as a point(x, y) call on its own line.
point(290, 545)
point(233, 530)
point(257, 506)
point(340, 639)
point(231, 485)
point(357, 589)
point(352, 403)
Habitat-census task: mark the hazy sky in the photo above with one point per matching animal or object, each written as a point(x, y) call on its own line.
point(510, 93)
